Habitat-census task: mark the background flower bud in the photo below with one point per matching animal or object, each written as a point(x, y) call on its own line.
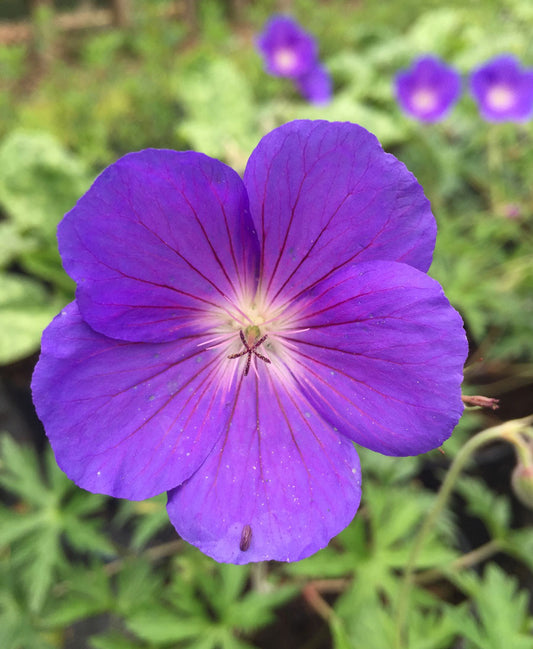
point(522, 483)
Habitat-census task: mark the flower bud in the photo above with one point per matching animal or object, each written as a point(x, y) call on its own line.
point(522, 483)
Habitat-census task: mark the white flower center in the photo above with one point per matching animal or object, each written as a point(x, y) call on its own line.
point(251, 333)
point(424, 100)
point(500, 97)
point(285, 59)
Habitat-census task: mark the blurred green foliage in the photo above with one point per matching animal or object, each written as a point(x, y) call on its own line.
point(112, 92)
point(68, 557)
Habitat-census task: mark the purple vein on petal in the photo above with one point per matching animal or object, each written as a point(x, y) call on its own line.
point(209, 243)
point(220, 306)
point(317, 377)
point(324, 229)
point(333, 269)
point(293, 210)
point(295, 343)
point(210, 379)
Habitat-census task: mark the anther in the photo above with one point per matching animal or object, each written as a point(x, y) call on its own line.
point(249, 350)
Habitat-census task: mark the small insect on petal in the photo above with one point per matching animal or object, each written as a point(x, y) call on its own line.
point(246, 538)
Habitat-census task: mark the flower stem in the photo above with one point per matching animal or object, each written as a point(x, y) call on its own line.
point(495, 164)
point(508, 431)
point(465, 561)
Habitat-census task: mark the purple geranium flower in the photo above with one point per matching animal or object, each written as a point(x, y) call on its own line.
point(503, 89)
point(289, 51)
point(428, 90)
point(230, 338)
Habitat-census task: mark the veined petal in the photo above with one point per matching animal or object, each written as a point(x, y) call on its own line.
point(279, 484)
point(161, 238)
point(382, 356)
point(130, 420)
point(324, 195)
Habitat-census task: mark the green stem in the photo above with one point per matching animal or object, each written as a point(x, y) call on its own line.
point(465, 561)
point(495, 164)
point(528, 432)
point(507, 431)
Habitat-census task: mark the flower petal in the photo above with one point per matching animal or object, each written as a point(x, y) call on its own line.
point(130, 420)
point(159, 239)
point(323, 195)
point(279, 484)
point(382, 357)
point(315, 85)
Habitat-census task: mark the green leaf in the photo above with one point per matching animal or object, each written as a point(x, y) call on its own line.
point(40, 558)
point(367, 622)
point(257, 609)
point(85, 591)
point(45, 263)
point(25, 310)
point(233, 134)
point(12, 243)
point(112, 640)
point(147, 516)
point(14, 527)
point(34, 532)
point(502, 610)
point(339, 634)
point(519, 543)
point(39, 180)
point(138, 585)
point(86, 536)
point(482, 502)
point(20, 472)
point(160, 626)
point(18, 628)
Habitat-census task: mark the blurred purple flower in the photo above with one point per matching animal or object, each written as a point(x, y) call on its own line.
point(289, 51)
point(231, 338)
point(503, 89)
point(428, 90)
point(315, 86)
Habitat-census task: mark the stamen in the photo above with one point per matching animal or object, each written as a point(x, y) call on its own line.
point(239, 354)
point(263, 358)
point(248, 363)
point(250, 349)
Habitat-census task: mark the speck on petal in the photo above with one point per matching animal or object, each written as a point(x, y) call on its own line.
point(323, 195)
point(159, 240)
point(130, 420)
point(382, 357)
point(278, 468)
